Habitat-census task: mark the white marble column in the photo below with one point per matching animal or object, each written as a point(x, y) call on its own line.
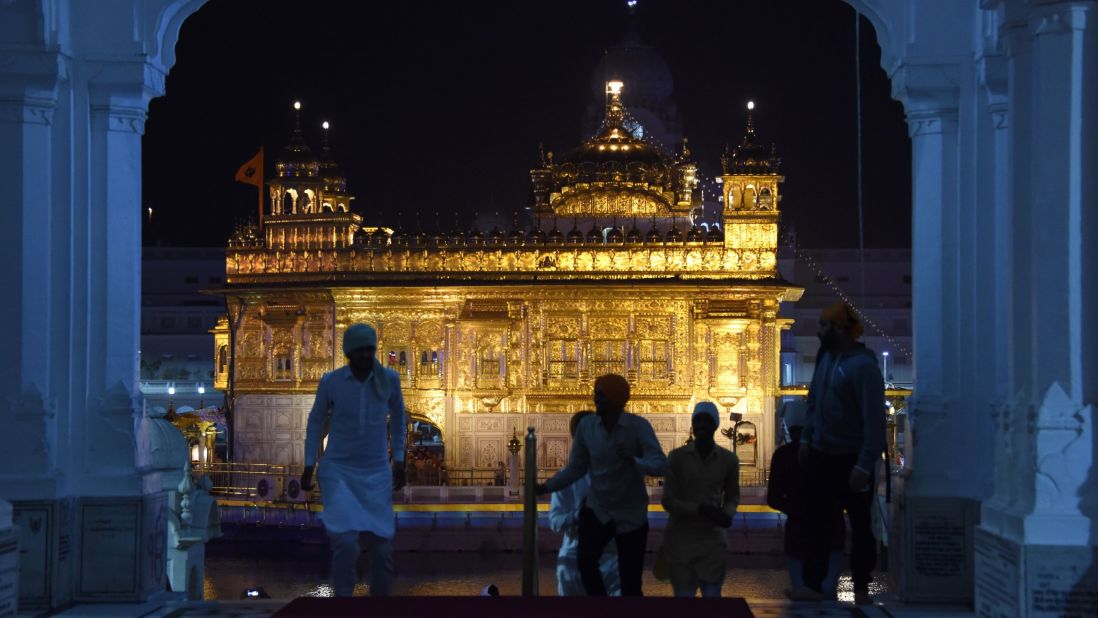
point(1037, 548)
point(29, 87)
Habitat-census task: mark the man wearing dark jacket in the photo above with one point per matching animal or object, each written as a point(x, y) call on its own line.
point(841, 446)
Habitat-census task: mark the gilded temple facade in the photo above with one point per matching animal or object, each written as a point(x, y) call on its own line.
point(496, 331)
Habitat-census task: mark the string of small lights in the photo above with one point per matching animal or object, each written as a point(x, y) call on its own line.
point(822, 276)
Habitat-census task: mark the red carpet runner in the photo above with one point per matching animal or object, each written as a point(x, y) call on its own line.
point(517, 607)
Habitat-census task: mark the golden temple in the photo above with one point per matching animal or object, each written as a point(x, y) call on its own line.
point(494, 332)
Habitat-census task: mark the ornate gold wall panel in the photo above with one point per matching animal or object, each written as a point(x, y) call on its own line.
point(501, 354)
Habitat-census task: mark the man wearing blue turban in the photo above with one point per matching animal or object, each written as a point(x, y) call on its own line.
point(364, 409)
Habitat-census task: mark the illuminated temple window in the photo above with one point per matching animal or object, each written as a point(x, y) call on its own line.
point(429, 363)
point(429, 369)
point(653, 360)
point(396, 358)
point(490, 367)
point(563, 359)
point(283, 367)
point(607, 356)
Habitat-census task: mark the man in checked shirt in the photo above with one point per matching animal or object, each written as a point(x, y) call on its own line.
point(618, 449)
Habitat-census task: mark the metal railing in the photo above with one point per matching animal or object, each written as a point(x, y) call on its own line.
point(276, 483)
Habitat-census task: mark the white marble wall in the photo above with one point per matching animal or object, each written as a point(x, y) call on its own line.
point(270, 428)
point(75, 82)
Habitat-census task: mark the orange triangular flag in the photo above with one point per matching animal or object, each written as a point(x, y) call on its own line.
point(251, 173)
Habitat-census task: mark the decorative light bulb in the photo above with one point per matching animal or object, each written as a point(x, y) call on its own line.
point(325, 125)
point(297, 105)
point(750, 105)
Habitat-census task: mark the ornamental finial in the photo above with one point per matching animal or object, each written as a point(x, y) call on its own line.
point(615, 111)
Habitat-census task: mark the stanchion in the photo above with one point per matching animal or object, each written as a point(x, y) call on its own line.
point(530, 518)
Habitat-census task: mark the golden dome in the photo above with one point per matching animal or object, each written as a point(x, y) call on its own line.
point(615, 173)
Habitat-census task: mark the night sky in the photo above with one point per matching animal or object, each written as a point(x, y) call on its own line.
point(440, 106)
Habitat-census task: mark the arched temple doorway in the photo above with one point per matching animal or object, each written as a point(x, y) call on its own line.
point(425, 463)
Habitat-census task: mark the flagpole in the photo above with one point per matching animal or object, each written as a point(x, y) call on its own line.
point(261, 186)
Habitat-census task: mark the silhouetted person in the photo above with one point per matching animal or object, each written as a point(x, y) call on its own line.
point(784, 492)
point(364, 408)
point(618, 449)
point(700, 494)
point(564, 510)
point(841, 446)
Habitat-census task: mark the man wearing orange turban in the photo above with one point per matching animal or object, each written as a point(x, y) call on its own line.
point(617, 450)
point(841, 445)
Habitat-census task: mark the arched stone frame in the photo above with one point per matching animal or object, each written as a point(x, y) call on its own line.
point(765, 199)
point(932, 107)
point(308, 201)
point(291, 194)
point(748, 197)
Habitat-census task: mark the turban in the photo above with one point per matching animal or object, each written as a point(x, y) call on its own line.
point(614, 387)
point(359, 336)
point(707, 408)
point(842, 314)
point(364, 336)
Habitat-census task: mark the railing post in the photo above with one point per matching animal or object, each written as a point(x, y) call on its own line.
point(530, 518)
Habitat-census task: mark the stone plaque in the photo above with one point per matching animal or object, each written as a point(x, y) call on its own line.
point(933, 539)
point(109, 548)
point(35, 531)
point(938, 543)
point(1061, 581)
point(9, 572)
point(998, 573)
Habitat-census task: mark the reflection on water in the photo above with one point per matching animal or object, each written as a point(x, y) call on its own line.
point(287, 570)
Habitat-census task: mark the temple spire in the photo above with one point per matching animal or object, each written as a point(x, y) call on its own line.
point(615, 110)
point(750, 135)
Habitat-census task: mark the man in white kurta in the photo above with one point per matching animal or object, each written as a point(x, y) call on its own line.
point(364, 409)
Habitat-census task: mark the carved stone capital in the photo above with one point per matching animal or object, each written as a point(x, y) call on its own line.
point(930, 93)
point(931, 122)
point(27, 111)
point(993, 73)
point(31, 73)
point(1056, 18)
point(122, 119)
point(124, 83)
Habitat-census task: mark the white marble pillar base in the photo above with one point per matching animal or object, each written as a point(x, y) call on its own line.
point(1039, 581)
point(46, 543)
point(91, 549)
point(9, 562)
point(930, 548)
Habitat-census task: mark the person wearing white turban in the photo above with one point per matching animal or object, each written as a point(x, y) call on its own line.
point(363, 407)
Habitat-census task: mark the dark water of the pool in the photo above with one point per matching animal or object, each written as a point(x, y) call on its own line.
point(288, 571)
